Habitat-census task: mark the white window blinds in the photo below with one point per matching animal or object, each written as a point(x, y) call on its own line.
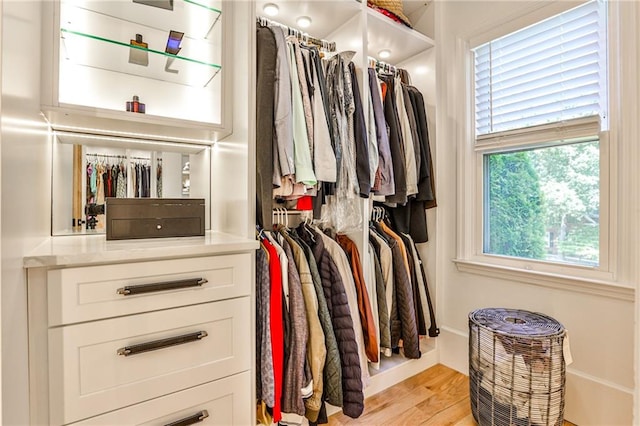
point(552, 71)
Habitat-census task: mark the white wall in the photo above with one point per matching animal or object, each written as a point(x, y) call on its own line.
point(25, 167)
point(600, 383)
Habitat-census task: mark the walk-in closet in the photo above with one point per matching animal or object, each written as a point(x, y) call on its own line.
point(261, 212)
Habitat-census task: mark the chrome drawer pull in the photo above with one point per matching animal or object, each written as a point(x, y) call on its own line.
point(196, 418)
point(169, 285)
point(162, 343)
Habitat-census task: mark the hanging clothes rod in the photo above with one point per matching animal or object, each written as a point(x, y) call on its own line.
point(120, 157)
point(106, 155)
point(303, 37)
point(382, 66)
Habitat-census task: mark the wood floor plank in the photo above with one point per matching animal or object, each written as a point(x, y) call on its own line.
point(446, 394)
point(411, 417)
point(392, 410)
point(467, 421)
point(450, 415)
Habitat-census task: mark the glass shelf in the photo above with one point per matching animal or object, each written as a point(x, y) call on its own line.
point(103, 53)
point(101, 66)
point(197, 18)
point(96, 39)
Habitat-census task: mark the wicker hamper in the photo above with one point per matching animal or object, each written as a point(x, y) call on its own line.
point(516, 368)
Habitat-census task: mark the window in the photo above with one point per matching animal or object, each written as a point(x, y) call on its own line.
point(540, 135)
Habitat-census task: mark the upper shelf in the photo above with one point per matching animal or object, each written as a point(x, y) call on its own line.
point(329, 16)
point(100, 40)
point(401, 41)
point(326, 15)
point(113, 55)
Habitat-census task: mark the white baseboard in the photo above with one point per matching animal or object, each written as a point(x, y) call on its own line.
point(588, 399)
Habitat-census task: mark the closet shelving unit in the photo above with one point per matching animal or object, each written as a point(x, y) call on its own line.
point(355, 27)
point(90, 74)
point(205, 294)
point(93, 67)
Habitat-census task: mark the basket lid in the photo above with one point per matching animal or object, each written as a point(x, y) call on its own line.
point(516, 322)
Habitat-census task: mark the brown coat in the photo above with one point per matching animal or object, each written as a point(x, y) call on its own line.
point(364, 305)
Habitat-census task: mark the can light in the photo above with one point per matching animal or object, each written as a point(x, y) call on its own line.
point(303, 22)
point(271, 9)
point(384, 53)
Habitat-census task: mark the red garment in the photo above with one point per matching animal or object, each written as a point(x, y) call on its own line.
point(305, 203)
point(383, 90)
point(277, 333)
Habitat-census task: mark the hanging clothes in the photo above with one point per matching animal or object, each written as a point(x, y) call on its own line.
point(396, 143)
point(275, 315)
point(402, 316)
point(265, 389)
point(364, 306)
point(324, 158)
point(332, 391)
point(282, 112)
point(384, 256)
point(301, 153)
point(411, 173)
point(265, 95)
point(295, 378)
point(360, 137)
point(316, 350)
point(342, 323)
point(383, 326)
point(158, 178)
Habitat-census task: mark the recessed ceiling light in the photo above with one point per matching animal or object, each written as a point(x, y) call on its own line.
point(303, 21)
point(271, 9)
point(384, 53)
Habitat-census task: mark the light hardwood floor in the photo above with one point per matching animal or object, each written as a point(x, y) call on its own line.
point(438, 396)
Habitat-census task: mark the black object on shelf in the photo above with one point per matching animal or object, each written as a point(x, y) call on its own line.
point(131, 218)
point(173, 42)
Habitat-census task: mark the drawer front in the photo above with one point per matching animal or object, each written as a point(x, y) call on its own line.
point(105, 365)
point(96, 292)
point(124, 229)
point(226, 402)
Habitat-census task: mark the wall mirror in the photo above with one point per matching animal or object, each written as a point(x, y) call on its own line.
point(88, 168)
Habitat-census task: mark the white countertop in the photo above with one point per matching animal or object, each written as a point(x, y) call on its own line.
point(95, 249)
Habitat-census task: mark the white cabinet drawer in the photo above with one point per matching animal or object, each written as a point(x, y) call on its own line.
point(226, 402)
point(96, 292)
point(89, 373)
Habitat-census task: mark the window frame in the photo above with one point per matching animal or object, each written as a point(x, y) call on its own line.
point(470, 256)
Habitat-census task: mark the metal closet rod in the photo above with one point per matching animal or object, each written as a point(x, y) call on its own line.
point(329, 46)
point(382, 66)
point(119, 156)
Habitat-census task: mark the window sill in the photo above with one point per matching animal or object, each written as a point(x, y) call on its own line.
point(544, 279)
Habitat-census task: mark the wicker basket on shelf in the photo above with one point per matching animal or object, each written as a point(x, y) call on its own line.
point(516, 368)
